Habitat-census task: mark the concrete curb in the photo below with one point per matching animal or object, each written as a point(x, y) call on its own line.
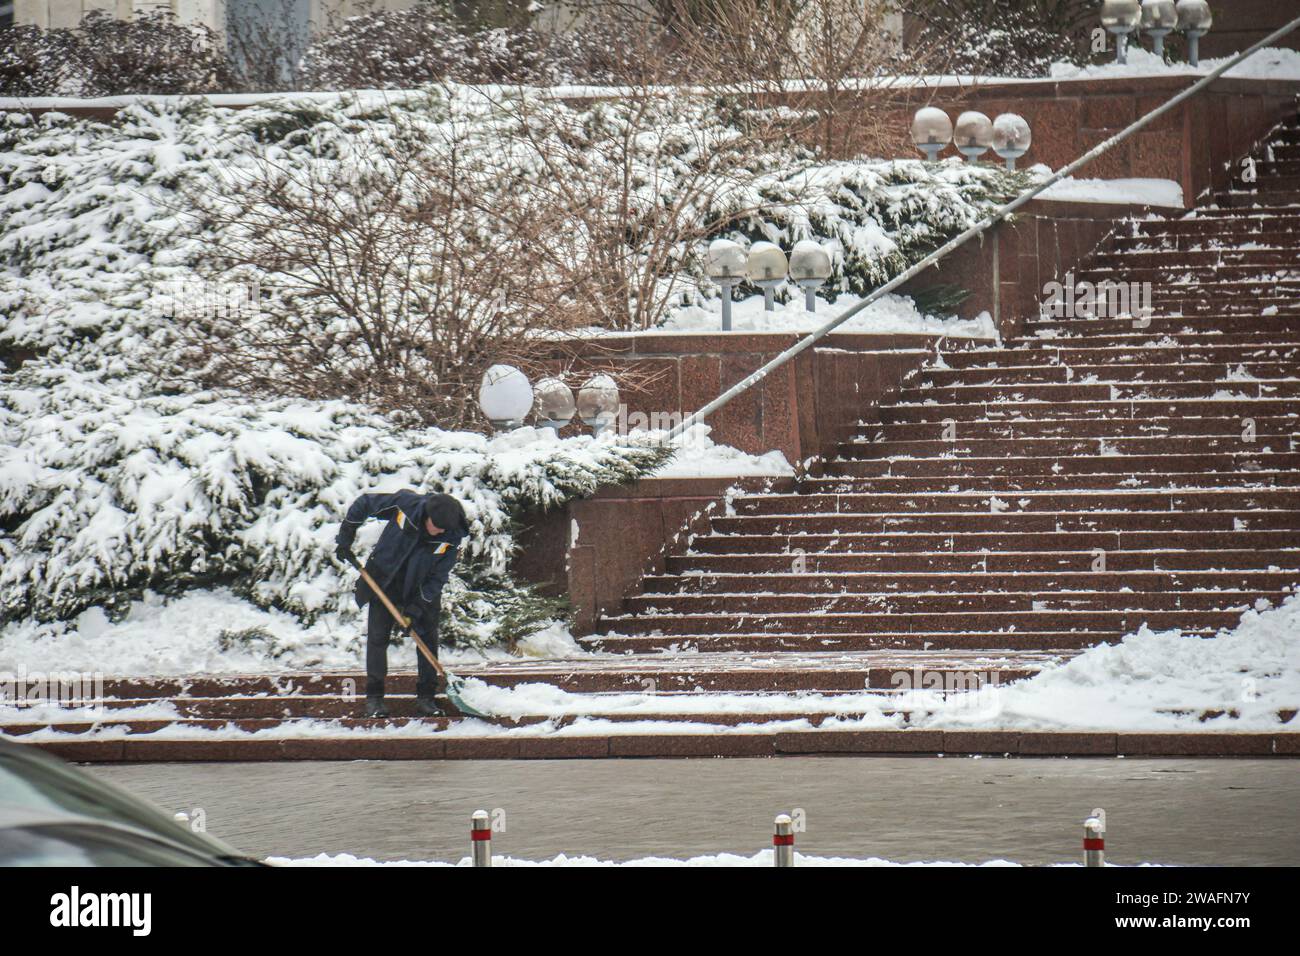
point(799, 743)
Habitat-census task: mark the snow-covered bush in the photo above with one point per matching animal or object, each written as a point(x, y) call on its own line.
point(106, 490)
point(877, 217)
point(425, 43)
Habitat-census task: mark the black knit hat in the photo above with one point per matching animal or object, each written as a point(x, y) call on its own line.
point(446, 512)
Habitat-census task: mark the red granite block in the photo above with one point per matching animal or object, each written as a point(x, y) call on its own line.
point(860, 741)
point(1056, 744)
point(1286, 745)
point(152, 751)
point(980, 742)
point(1195, 744)
point(85, 751)
point(563, 748)
point(481, 748)
point(690, 745)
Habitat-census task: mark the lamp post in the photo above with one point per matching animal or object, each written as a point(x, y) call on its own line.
point(973, 135)
point(556, 404)
point(725, 265)
point(1011, 137)
point(1195, 20)
point(598, 403)
point(505, 396)
point(1121, 17)
point(810, 266)
point(1159, 17)
point(766, 268)
point(931, 131)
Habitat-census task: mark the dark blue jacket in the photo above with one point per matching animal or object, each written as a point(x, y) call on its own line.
point(410, 565)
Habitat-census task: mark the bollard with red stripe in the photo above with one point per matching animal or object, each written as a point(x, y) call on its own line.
point(1094, 839)
point(480, 836)
point(783, 841)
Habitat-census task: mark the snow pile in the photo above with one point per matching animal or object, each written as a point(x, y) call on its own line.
point(698, 456)
point(1270, 63)
point(1146, 192)
point(890, 314)
point(1164, 680)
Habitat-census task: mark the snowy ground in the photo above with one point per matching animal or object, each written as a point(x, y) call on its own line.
point(762, 858)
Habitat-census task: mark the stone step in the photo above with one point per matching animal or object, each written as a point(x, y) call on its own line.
point(963, 446)
point(1287, 134)
point(749, 604)
point(1019, 553)
point(1213, 223)
point(1080, 338)
point(729, 534)
point(1283, 324)
point(766, 740)
point(1099, 391)
point(1170, 279)
point(1270, 178)
point(1211, 237)
point(835, 481)
point(1258, 197)
point(1142, 409)
point(967, 582)
point(924, 533)
point(879, 624)
point(1270, 426)
point(810, 672)
point(1175, 261)
point(1117, 466)
point(756, 642)
point(1086, 354)
point(1116, 372)
point(1287, 165)
point(1279, 504)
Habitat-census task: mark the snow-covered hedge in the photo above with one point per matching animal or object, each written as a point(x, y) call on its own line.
point(105, 491)
point(93, 219)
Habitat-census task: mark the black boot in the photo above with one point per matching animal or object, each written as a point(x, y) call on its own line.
point(429, 707)
point(375, 707)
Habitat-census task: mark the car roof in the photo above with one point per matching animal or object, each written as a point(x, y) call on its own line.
point(14, 815)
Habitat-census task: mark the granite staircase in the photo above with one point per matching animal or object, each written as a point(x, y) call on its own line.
point(1094, 474)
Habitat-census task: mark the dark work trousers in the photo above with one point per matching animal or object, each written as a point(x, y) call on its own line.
point(379, 628)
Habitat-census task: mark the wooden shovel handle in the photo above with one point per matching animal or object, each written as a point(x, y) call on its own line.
point(402, 620)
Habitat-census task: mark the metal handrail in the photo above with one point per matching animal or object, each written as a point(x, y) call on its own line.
point(980, 227)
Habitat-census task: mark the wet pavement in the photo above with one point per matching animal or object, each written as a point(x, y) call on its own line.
point(1184, 811)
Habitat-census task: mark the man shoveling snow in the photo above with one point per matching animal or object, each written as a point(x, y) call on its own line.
point(410, 564)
